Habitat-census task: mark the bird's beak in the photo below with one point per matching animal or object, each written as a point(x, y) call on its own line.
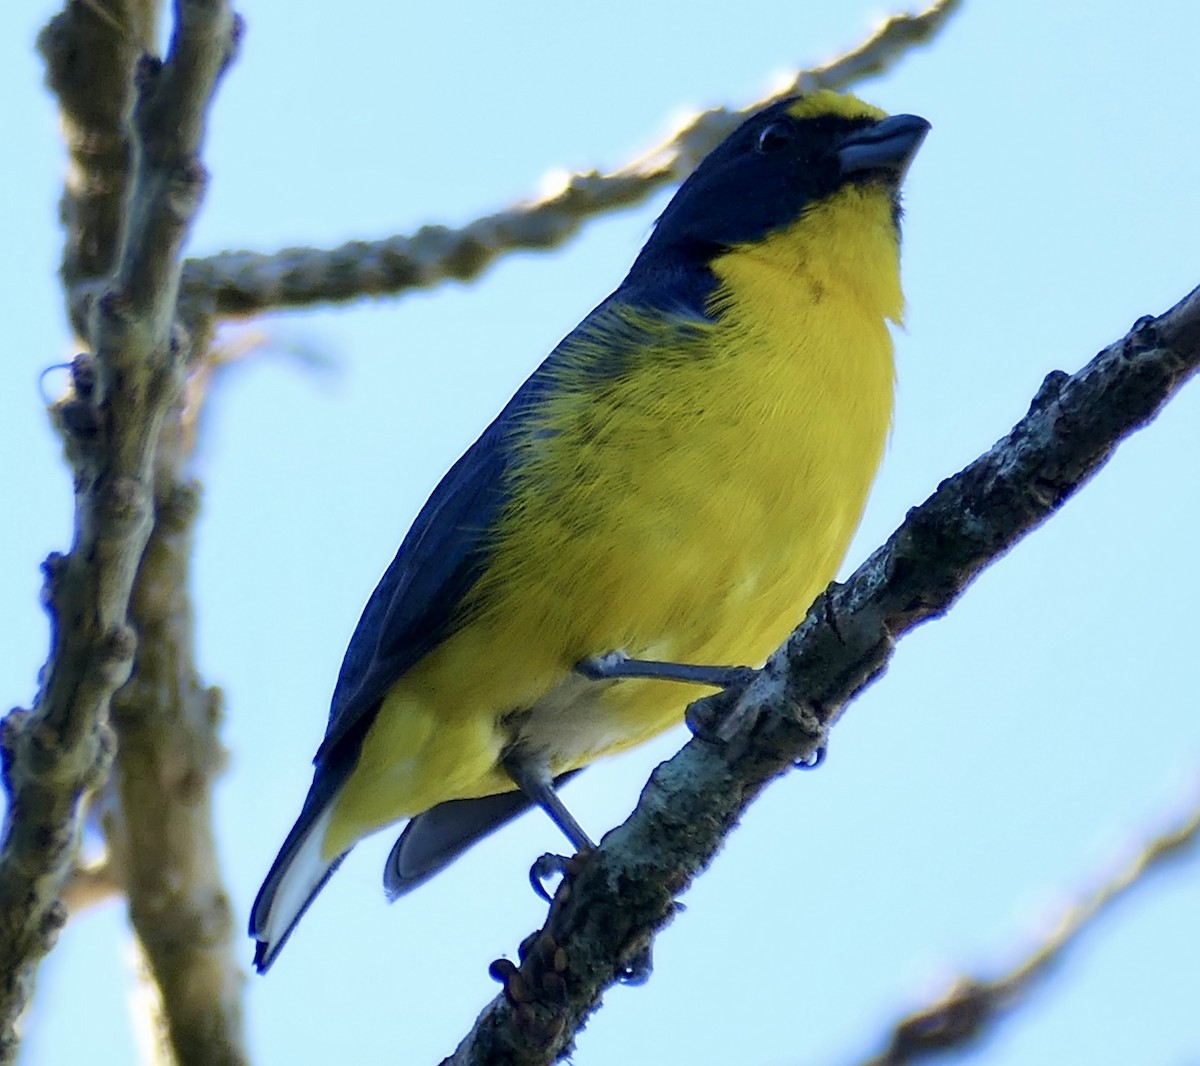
point(889, 146)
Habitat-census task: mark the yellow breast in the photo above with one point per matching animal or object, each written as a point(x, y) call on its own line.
point(691, 508)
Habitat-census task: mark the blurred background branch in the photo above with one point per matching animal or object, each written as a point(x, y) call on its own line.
point(972, 1007)
point(245, 283)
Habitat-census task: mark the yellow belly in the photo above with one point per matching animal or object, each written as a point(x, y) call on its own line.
point(688, 510)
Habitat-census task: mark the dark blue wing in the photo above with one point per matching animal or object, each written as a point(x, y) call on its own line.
point(413, 607)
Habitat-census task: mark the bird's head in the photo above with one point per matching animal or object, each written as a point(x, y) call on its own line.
point(782, 160)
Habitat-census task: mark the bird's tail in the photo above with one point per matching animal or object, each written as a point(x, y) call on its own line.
point(299, 872)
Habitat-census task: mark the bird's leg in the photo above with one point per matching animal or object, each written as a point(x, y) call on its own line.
point(616, 664)
point(533, 777)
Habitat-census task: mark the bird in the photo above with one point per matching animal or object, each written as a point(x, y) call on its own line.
point(666, 493)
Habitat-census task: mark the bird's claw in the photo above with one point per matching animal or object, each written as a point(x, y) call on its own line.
point(637, 970)
point(548, 866)
point(813, 761)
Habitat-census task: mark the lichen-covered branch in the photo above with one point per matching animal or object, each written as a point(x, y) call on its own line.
point(607, 911)
point(972, 1006)
point(245, 283)
point(56, 753)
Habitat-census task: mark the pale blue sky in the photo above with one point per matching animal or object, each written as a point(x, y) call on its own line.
point(1012, 750)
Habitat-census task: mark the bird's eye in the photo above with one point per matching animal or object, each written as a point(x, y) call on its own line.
point(773, 137)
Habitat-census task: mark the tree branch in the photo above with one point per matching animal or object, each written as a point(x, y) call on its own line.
point(606, 912)
point(246, 283)
point(973, 1006)
point(168, 755)
point(57, 753)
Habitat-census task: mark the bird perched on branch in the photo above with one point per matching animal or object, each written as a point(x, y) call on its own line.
point(669, 490)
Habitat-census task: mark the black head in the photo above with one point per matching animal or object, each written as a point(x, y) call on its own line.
point(787, 157)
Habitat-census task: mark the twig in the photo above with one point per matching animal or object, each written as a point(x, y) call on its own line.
point(606, 913)
point(55, 754)
point(91, 884)
point(244, 283)
point(972, 1006)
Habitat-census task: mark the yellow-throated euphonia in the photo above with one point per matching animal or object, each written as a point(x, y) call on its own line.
point(673, 485)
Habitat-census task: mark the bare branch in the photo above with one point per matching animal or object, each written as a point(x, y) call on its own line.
point(57, 753)
point(245, 283)
point(973, 1006)
point(895, 36)
point(168, 755)
point(607, 911)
